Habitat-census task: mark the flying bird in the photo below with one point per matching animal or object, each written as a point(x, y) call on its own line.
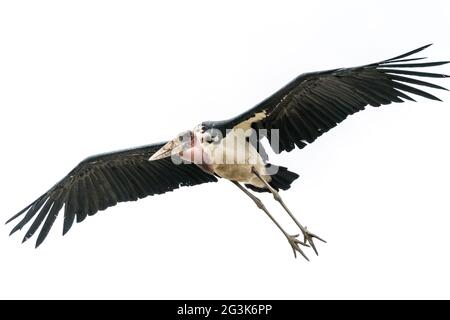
point(294, 116)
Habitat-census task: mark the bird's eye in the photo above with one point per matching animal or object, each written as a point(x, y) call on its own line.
point(208, 138)
point(212, 139)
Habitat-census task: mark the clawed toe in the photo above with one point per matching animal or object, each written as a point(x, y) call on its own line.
point(309, 239)
point(295, 244)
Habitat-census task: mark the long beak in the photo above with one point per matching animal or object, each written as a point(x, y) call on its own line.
point(170, 148)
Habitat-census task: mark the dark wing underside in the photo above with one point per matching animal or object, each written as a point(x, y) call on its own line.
point(313, 103)
point(104, 180)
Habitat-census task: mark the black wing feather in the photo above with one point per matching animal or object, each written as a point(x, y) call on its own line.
point(70, 210)
point(410, 53)
point(102, 181)
point(313, 103)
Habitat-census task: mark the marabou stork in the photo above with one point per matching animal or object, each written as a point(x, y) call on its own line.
point(294, 116)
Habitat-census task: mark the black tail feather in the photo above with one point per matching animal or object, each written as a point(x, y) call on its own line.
point(282, 180)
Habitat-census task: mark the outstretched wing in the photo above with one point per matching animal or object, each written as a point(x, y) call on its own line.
point(313, 103)
point(104, 180)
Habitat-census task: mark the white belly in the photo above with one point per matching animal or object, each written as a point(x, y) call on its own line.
point(234, 158)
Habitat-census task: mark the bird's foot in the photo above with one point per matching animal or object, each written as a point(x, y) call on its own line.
point(295, 244)
point(309, 239)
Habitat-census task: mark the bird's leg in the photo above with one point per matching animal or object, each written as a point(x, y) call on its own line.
point(292, 239)
point(308, 236)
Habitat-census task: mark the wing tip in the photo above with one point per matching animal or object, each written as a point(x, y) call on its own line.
point(410, 53)
point(10, 220)
point(424, 47)
point(14, 230)
point(38, 242)
point(22, 211)
point(65, 230)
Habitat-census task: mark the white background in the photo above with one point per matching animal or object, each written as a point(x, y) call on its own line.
point(82, 77)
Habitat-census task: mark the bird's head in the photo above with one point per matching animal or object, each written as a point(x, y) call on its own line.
point(189, 145)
